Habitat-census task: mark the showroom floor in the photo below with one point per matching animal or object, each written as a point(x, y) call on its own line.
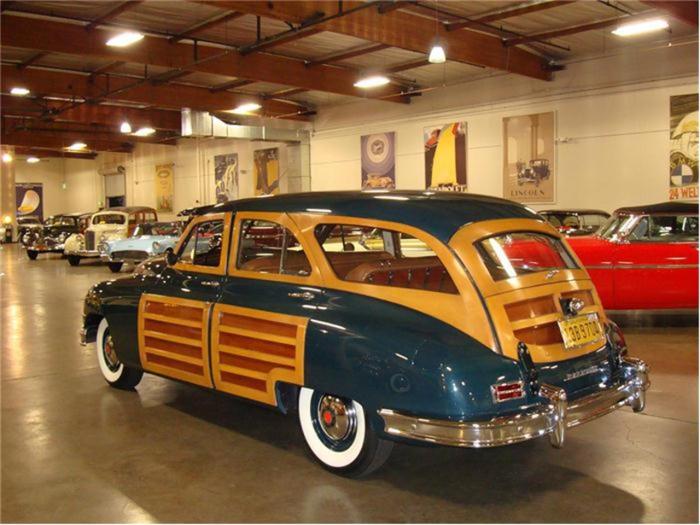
point(75, 450)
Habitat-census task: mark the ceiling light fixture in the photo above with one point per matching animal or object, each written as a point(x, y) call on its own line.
point(77, 146)
point(144, 132)
point(639, 28)
point(125, 39)
point(32, 160)
point(244, 109)
point(19, 91)
point(437, 55)
point(372, 82)
point(125, 127)
point(6, 157)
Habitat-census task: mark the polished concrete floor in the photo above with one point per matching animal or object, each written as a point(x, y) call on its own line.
point(75, 450)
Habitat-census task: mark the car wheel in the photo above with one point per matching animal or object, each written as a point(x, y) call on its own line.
point(338, 436)
point(116, 373)
point(73, 260)
point(115, 267)
point(32, 254)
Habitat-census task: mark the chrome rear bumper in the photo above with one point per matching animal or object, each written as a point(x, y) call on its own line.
point(552, 418)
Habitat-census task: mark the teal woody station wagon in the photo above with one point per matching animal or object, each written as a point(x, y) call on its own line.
point(419, 317)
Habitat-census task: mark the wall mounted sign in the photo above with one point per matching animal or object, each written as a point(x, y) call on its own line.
point(528, 158)
point(164, 187)
point(29, 197)
point(266, 171)
point(226, 177)
point(445, 152)
point(378, 161)
point(683, 183)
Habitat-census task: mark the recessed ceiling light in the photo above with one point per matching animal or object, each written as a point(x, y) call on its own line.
point(76, 146)
point(125, 39)
point(144, 132)
point(372, 82)
point(6, 157)
point(244, 109)
point(638, 28)
point(125, 127)
point(20, 91)
point(437, 55)
point(32, 160)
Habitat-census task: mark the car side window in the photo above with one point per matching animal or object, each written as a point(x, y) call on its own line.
point(203, 244)
point(382, 257)
point(269, 247)
point(673, 228)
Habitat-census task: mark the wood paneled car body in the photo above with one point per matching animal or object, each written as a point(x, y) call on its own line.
point(425, 317)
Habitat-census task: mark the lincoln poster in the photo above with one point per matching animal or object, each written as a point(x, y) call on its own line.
point(378, 161)
point(683, 163)
point(528, 158)
point(445, 154)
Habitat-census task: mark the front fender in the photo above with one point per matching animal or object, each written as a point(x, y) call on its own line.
point(73, 244)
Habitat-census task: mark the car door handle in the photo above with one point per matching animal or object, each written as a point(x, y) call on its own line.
point(307, 296)
point(213, 284)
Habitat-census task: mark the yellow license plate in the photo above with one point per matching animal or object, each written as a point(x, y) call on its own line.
point(580, 330)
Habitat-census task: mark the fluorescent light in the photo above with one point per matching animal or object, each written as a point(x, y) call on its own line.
point(125, 127)
point(638, 28)
point(437, 55)
point(32, 160)
point(6, 157)
point(372, 82)
point(20, 91)
point(244, 109)
point(144, 132)
point(77, 146)
point(125, 39)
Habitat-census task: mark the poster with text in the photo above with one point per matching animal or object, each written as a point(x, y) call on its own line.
point(378, 161)
point(528, 158)
point(226, 177)
point(683, 183)
point(266, 171)
point(445, 151)
point(164, 187)
point(29, 197)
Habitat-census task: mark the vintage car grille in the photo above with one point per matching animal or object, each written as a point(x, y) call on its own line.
point(89, 240)
point(132, 255)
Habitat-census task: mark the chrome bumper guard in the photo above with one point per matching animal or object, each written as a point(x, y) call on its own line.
point(85, 253)
point(552, 419)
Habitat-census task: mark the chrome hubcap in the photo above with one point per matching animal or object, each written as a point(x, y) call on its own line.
point(110, 354)
point(336, 418)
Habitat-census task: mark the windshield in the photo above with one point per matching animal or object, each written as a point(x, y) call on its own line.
point(28, 220)
point(617, 227)
point(109, 218)
point(521, 253)
point(60, 221)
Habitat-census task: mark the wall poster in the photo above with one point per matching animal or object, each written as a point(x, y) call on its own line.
point(29, 197)
point(226, 177)
point(683, 183)
point(445, 153)
point(528, 158)
point(164, 187)
point(378, 161)
point(266, 171)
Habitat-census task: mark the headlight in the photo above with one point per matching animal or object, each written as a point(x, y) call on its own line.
point(155, 246)
point(103, 237)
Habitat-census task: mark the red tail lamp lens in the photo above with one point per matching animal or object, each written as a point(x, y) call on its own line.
point(505, 391)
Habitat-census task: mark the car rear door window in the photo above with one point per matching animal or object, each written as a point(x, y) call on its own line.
point(269, 247)
point(203, 244)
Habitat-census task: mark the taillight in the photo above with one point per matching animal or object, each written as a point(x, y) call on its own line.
point(506, 391)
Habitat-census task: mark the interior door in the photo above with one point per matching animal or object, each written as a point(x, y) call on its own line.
point(174, 316)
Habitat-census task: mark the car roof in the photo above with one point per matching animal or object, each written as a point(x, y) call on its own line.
point(439, 213)
point(127, 209)
point(661, 207)
point(577, 211)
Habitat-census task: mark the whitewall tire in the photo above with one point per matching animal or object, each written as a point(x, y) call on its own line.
point(116, 373)
point(338, 435)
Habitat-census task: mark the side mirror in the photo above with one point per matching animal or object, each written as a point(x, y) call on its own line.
point(170, 257)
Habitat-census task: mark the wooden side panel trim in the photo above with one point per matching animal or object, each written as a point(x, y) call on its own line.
point(173, 338)
point(254, 349)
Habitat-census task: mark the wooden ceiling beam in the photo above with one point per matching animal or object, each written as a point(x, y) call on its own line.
point(403, 30)
point(35, 140)
point(233, 84)
point(206, 24)
point(72, 132)
point(280, 39)
point(525, 8)
point(40, 35)
point(107, 68)
point(35, 57)
point(345, 55)
point(44, 153)
point(112, 13)
point(405, 66)
point(683, 10)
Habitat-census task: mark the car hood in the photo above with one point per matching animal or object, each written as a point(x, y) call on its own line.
point(143, 243)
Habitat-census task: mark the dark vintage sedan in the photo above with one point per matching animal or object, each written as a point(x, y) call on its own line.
point(27, 224)
point(51, 237)
point(573, 223)
point(376, 317)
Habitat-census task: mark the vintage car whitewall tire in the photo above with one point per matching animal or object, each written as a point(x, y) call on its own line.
point(32, 254)
point(74, 260)
point(338, 435)
point(117, 374)
point(115, 267)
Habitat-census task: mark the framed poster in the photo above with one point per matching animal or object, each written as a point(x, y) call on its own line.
point(528, 158)
point(29, 197)
point(378, 161)
point(164, 187)
point(266, 171)
point(445, 154)
point(226, 177)
point(683, 160)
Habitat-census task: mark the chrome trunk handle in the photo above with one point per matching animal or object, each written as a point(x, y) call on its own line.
point(213, 284)
point(307, 296)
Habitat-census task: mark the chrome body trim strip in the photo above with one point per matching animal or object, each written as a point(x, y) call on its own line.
point(552, 418)
point(640, 266)
point(85, 253)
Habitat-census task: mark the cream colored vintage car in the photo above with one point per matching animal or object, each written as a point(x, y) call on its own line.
point(106, 225)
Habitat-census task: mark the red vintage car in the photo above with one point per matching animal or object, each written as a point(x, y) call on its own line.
point(645, 257)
